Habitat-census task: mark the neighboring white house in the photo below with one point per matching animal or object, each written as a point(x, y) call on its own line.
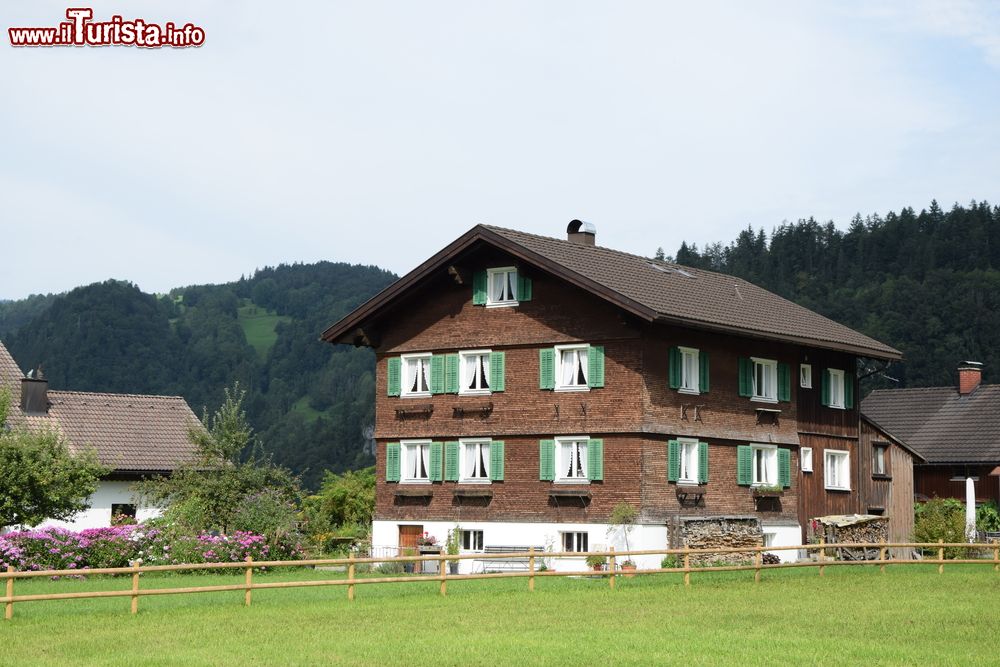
point(137, 436)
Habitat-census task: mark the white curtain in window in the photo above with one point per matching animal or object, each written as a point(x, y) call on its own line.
point(573, 368)
point(477, 460)
point(469, 364)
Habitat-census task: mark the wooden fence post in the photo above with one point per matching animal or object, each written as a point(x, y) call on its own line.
point(687, 566)
point(611, 566)
point(996, 557)
point(249, 582)
point(135, 585)
point(881, 557)
point(941, 557)
point(531, 569)
point(8, 611)
point(443, 570)
point(758, 561)
point(822, 555)
point(350, 577)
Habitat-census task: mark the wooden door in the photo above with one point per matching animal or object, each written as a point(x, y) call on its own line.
point(408, 537)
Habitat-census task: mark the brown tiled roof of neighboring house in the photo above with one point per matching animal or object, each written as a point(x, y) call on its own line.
point(130, 432)
point(939, 423)
point(654, 290)
point(10, 374)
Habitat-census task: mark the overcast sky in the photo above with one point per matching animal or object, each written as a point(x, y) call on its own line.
point(377, 132)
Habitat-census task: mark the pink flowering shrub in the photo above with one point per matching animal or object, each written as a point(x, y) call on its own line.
point(117, 546)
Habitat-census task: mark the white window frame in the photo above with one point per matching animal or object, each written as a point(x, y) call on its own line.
point(472, 537)
point(771, 464)
point(837, 397)
point(690, 371)
point(562, 464)
point(560, 349)
point(768, 538)
point(406, 449)
point(689, 445)
point(806, 459)
point(884, 472)
point(404, 385)
point(771, 369)
point(464, 379)
point(463, 445)
point(806, 376)
point(503, 303)
point(577, 539)
point(843, 458)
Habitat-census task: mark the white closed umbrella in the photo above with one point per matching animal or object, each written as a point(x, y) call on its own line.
point(970, 509)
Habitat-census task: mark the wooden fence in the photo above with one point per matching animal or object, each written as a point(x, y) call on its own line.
point(823, 559)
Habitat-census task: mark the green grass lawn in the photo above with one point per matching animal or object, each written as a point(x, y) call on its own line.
point(258, 327)
point(909, 615)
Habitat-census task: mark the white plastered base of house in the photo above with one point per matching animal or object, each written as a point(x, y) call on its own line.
point(549, 537)
point(98, 515)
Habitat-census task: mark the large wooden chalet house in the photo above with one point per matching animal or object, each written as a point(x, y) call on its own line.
point(527, 385)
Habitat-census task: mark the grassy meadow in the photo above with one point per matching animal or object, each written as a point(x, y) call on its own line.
point(909, 615)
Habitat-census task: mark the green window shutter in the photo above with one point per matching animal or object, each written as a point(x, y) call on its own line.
point(784, 468)
point(496, 460)
point(824, 392)
point(497, 362)
point(479, 288)
point(392, 462)
point(437, 373)
point(703, 462)
point(523, 288)
point(393, 375)
point(746, 370)
point(784, 382)
point(595, 460)
point(673, 461)
point(595, 366)
point(744, 465)
point(674, 372)
point(451, 373)
point(546, 460)
point(703, 374)
point(434, 474)
point(547, 368)
point(848, 390)
point(451, 461)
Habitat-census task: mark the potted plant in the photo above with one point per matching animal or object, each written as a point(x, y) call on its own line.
point(595, 562)
point(771, 491)
point(453, 545)
point(628, 568)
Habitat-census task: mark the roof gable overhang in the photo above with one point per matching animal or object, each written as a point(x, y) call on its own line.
point(350, 329)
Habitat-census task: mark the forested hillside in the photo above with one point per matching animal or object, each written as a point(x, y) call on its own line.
point(309, 401)
point(927, 283)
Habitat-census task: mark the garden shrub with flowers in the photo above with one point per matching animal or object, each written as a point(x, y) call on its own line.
point(117, 546)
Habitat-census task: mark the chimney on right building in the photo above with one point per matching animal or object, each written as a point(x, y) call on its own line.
point(970, 374)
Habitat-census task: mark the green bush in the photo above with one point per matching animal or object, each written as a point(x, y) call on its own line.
point(669, 561)
point(988, 517)
point(941, 519)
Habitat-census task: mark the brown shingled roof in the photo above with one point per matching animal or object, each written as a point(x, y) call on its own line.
point(941, 425)
point(130, 432)
point(654, 290)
